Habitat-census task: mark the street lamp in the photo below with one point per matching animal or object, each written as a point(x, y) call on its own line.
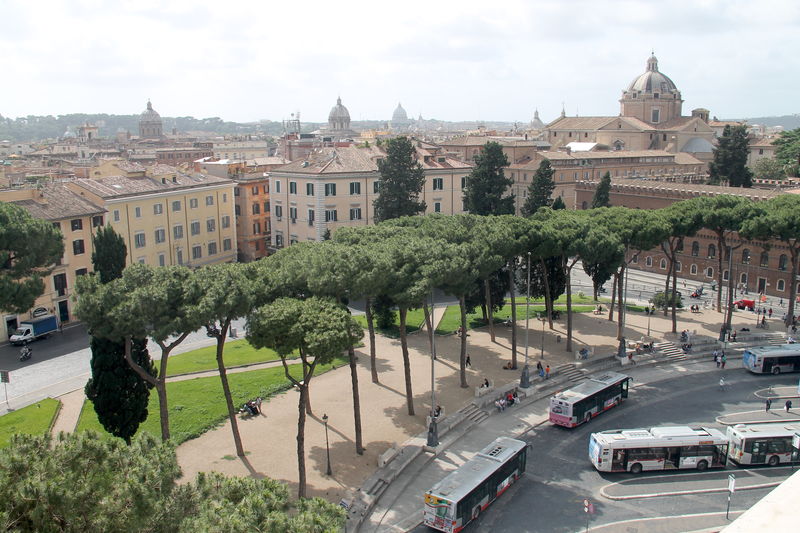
point(525, 377)
point(649, 312)
point(433, 431)
point(543, 319)
point(327, 445)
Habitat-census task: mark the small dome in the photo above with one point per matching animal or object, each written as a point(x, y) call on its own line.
point(339, 112)
point(652, 80)
point(149, 114)
point(537, 123)
point(399, 114)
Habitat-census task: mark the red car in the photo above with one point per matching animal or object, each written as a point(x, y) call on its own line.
point(745, 304)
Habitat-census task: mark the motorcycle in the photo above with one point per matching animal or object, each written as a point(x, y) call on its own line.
point(25, 353)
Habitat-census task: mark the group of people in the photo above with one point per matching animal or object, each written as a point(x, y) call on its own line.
point(768, 404)
point(543, 371)
point(720, 358)
point(252, 407)
point(695, 308)
point(506, 401)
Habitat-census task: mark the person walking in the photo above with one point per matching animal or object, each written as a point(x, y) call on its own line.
point(723, 359)
point(733, 336)
point(770, 312)
point(722, 384)
point(716, 358)
point(767, 404)
point(547, 372)
point(468, 362)
point(788, 405)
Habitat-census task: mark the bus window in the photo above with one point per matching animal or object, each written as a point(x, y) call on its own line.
point(625, 388)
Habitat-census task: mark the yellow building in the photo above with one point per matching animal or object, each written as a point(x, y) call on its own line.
point(76, 217)
point(168, 217)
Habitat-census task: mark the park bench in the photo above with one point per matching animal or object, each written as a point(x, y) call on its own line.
point(483, 391)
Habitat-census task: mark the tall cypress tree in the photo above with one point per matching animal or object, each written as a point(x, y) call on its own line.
point(730, 159)
point(119, 394)
point(601, 194)
point(402, 180)
point(540, 189)
point(485, 193)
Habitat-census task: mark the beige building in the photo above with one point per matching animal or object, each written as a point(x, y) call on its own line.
point(336, 187)
point(761, 148)
point(76, 217)
point(168, 217)
point(516, 149)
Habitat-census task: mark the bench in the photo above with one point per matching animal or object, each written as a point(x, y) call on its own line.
point(483, 391)
point(386, 457)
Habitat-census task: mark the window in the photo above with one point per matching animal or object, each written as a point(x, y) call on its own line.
point(76, 224)
point(309, 189)
point(764, 259)
point(224, 198)
point(679, 248)
point(693, 270)
point(330, 189)
point(195, 227)
point(635, 259)
point(695, 249)
point(97, 221)
point(211, 225)
point(463, 182)
point(355, 188)
point(437, 207)
point(179, 255)
point(355, 213)
point(725, 275)
point(256, 209)
point(161, 235)
point(226, 221)
point(226, 245)
point(656, 115)
point(162, 260)
point(712, 251)
point(663, 264)
point(376, 187)
point(279, 241)
point(746, 256)
point(81, 272)
point(709, 272)
point(176, 205)
point(743, 279)
point(293, 214)
point(237, 210)
point(278, 186)
point(212, 248)
point(438, 184)
point(116, 215)
point(158, 209)
point(648, 261)
point(177, 231)
point(782, 260)
point(197, 252)
point(292, 187)
point(60, 284)
point(193, 203)
point(678, 266)
point(781, 286)
point(256, 228)
point(254, 189)
point(139, 240)
point(278, 211)
point(209, 200)
point(265, 188)
point(137, 212)
point(330, 215)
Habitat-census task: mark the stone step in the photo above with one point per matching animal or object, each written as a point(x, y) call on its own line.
point(572, 372)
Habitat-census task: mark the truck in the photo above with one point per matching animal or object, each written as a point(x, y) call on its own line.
point(750, 305)
point(35, 328)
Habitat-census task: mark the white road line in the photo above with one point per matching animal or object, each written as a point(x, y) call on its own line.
point(632, 520)
point(684, 492)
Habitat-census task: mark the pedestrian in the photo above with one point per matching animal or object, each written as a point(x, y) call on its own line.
point(497, 404)
point(723, 360)
point(722, 384)
point(502, 404)
point(733, 336)
point(788, 405)
point(468, 362)
point(716, 359)
point(547, 372)
point(767, 404)
point(485, 383)
point(770, 312)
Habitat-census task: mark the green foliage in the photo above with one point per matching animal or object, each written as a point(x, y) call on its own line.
point(31, 420)
point(558, 203)
point(485, 193)
point(788, 144)
point(540, 190)
point(662, 300)
point(383, 311)
point(28, 249)
point(769, 169)
point(109, 254)
point(730, 159)
point(80, 483)
point(601, 194)
point(402, 181)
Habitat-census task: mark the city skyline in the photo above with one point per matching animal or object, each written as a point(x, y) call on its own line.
point(454, 62)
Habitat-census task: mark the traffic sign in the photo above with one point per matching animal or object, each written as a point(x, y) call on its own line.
point(4, 376)
point(731, 483)
point(588, 507)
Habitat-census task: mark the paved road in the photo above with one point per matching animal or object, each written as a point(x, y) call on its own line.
point(549, 497)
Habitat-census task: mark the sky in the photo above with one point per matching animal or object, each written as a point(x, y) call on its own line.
point(452, 60)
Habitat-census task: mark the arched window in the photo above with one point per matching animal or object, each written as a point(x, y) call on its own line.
point(679, 248)
point(743, 279)
point(663, 264)
point(712, 251)
point(695, 249)
point(693, 269)
point(678, 266)
point(782, 260)
point(649, 261)
point(764, 260)
point(746, 256)
point(781, 286)
point(724, 275)
point(709, 272)
point(583, 205)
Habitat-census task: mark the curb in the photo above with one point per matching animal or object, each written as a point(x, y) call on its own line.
point(684, 492)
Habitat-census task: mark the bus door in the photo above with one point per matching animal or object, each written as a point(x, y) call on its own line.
point(625, 388)
point(672, 458)
point(619, 461)
point(759, 453)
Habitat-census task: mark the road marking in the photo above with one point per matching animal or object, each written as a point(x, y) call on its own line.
point(684, 492)
point(632, 520)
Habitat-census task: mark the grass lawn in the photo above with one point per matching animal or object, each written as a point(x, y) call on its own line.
point(414, 320)
point(198, 405)
point(32, 420)
point(238, 352)
point(452, 317)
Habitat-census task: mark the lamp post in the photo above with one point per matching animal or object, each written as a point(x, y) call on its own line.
point(327, 445)
point(649, 312)
point(525, 377)
point(543, 320)
point(433, 431)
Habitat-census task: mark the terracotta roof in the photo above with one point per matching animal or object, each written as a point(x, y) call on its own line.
point(475, 140)
point(677, 123)
point(763, 141)
point(579, 123)
point(117, 186)
point(617, 154)
point(56, 202)
point(684, 158)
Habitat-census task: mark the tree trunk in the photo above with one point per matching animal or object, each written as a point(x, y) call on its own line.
point(226, 389)
point(722, 250)
point(161, 387)
point(621, 301)
point(568, 270)
point(463, 358)
point(356, 400)
point(371, 329)
point(667, 281)
point(301, 440)
point(487, 288)
point(406, 361)
point(613, 299)
point(511, 291)
point(793, 248)
point(675, 301)
point(548, 298)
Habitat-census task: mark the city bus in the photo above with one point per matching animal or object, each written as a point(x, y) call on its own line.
point(658, 448)
point(460, 497)
point(575, 406)
point(758, 444)
point(772, 359)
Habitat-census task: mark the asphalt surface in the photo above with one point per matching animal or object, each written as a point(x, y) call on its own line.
point(549, 498)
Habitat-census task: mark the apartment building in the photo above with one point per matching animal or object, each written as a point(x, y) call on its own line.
point(252, 207)
point(77, 218)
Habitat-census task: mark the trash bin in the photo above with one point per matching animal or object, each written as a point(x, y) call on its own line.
point(233, 333)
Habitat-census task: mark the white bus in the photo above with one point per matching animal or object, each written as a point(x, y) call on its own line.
point(774, 359)
point(461, 496)
point(575, 406)
point(658, 448)
point(758, 444)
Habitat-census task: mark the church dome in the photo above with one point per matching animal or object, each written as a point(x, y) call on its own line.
point(652, 80)
point(339, 113)
point(399, 114)
point(149, 114)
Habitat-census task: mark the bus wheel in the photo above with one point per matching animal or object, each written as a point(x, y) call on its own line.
point(587, 418)
point(702, 466)
point(776, 370)
point(636, 468)
point(774, 460)
point(476, 512)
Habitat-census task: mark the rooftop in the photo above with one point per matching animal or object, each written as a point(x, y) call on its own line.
point(119, 186)
point(55, 201)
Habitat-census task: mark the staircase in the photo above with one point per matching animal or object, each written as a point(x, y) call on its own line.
point(474, 414)
point(572, 372)
point(670, 350)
